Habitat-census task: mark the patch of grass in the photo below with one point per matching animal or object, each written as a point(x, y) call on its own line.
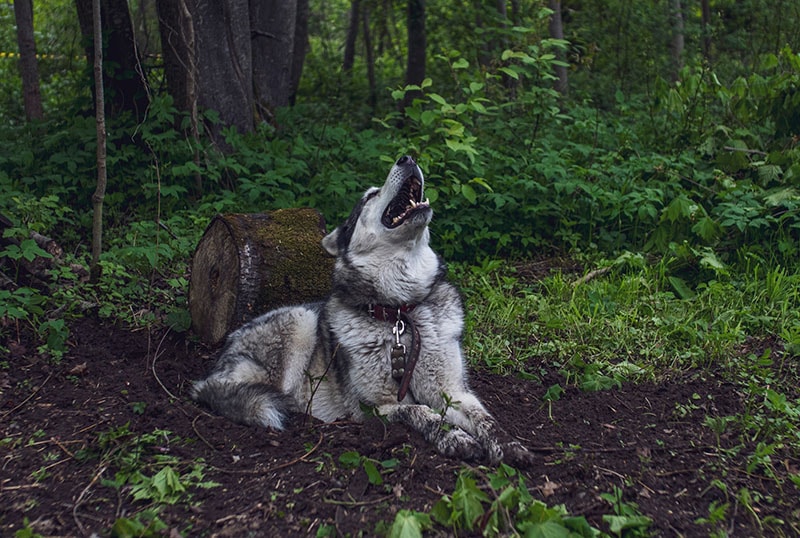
point(626, 324)
point(632, 320)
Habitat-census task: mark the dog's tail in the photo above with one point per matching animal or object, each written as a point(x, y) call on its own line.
point(247, 403)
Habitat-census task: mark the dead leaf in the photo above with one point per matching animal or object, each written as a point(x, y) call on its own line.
point(549, 488)
point(78, 369)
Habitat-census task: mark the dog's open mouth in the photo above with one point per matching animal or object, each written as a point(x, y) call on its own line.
point(406, 203)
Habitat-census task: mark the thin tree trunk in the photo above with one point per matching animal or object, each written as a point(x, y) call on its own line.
point(124, 79)
point(705, 9)
point(415, 67)
point(300, 47)
point(176, 29)
point(28, 65)
point(370, 56)
point(100, 119)
point(515, 12)
point(352, 36)
point(557, 32)
point(677, 45)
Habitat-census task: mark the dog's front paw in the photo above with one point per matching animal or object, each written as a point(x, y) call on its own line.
point(516, 455)
point(458, 444)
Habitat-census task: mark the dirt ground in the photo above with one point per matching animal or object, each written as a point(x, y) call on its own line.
point(63, 435)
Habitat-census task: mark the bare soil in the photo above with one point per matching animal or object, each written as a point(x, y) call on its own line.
point(648, 439)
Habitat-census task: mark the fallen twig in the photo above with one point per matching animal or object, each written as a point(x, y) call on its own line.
point(591, 275)
point(23, 402)
point(745, 150)
point(157, 354)
point(358, 503)
point(78, 502)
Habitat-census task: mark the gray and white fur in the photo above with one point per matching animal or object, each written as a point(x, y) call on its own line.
point(332, 359)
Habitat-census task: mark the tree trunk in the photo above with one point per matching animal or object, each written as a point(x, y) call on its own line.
point(415, 66)
point(28, 65)
point(176, 28)
point(557, 32)
point(100, 120)
point(123, 78)
point(370, 58)
point(677, 45)
point(246, 265)
point(352, 36)
point(705, 9)
point(272, 29)
point(300, 46)
point(224, 64)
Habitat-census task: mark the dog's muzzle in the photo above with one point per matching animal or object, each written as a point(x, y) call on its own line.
point(408, 201)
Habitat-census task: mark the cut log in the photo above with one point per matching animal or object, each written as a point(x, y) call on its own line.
point(248, 264)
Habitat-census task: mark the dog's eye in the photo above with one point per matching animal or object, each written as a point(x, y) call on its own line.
point(371, 195)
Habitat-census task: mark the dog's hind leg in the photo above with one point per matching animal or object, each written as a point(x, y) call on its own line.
point(257, 404)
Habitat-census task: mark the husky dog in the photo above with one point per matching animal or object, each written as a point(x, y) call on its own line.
point(388, 338)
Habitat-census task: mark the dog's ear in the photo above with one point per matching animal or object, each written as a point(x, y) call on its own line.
point(331, 242)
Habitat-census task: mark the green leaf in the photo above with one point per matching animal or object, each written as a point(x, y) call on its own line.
point(350, 459)
point(435, 97)
point(553, 393)
point(707, 229)
point(681, 288)
point(469, 193)
point(409, 524)
point(373, 474)
point(468, 500)
point(548, 529)
point(510, 72)
point(428, 116)
point(617, 524)
point(461, 63)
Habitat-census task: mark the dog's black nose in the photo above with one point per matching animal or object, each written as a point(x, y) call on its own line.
point(405, 160)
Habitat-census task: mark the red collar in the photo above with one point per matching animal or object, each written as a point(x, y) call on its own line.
point(389, 313)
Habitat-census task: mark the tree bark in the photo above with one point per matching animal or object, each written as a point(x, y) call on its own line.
point(352, 36)
point(300, 46)
point(705, 9)
point(246, 265)
point(176, 28)
point(100, 121)
point(677, 44)
point(224, 64)
point(123, 78)
point(370, 58)
point(415, 66)
point(28, 64)
point(272, 29)
point(557, 32)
